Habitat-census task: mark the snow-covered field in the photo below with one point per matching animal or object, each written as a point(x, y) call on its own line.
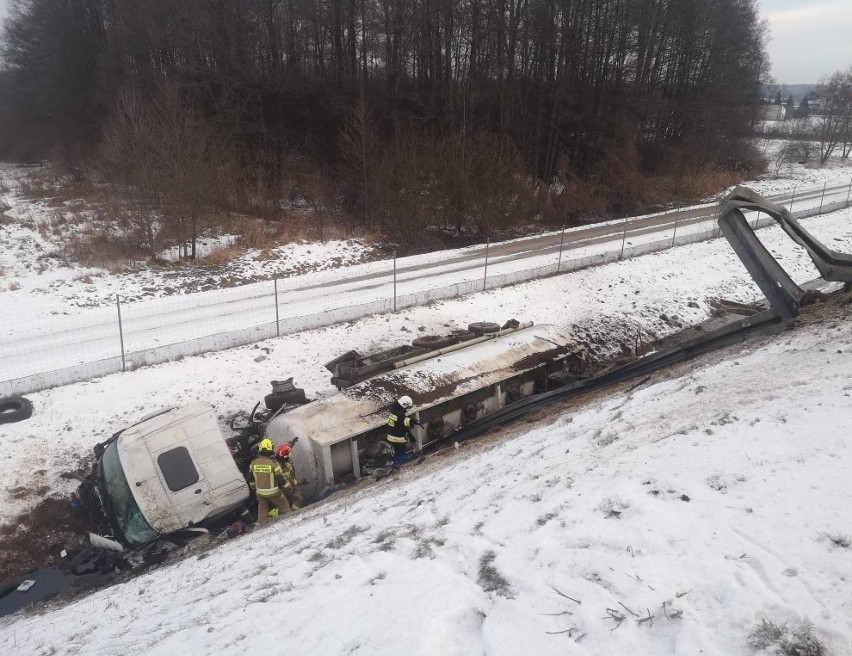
point(709, 498)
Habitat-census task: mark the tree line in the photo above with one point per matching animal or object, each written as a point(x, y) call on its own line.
point(397, 113)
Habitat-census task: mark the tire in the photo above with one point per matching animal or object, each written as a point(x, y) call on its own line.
point(15, 408)
point(483, 327)
point(275, 401)
point(433, 342)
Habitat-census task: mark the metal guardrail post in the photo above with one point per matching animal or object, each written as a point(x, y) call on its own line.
point(792, 198)
point(822, 198)
point(561, 242)
point(120, 332)
point(623, 239)
point(674, 233)
point(485, 275)
point(848, 192)
point(277, 320)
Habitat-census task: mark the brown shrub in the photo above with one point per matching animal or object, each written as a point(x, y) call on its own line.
point(220, 255)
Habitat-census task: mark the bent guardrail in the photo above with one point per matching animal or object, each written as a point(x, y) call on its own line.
point(785, 298)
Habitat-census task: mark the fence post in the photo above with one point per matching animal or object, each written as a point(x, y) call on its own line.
point(561, 242)
point(792, 198)
point(120, 332)
point(277, 321)
point(623, 239)
point(756, 220)
point(674, 234)
point(394, 281)
point(822, 197)
point(485, 275)
point(847, 193)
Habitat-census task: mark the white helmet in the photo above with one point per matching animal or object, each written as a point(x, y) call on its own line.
point(406, 402)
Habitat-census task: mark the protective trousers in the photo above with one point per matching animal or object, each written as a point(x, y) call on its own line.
point(278, 500)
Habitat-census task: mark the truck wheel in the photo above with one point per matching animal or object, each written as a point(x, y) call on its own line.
point(15, 408)
point(433, 342)
point(483, 327)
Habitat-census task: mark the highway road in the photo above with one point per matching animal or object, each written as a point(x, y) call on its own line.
point(94, 335)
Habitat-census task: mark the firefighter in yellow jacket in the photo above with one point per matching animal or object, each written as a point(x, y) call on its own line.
point(282, 455)
point(269, 480)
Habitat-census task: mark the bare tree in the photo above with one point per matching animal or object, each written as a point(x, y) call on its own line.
point(171, 162)
point(834, 96)
point(357, 146)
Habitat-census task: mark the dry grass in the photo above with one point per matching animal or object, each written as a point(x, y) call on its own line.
point(46, 185)
point(256, 233)
point(706, 182)
point(786, 639)
point(220, 256)
point(490, 579)
point(102, 250)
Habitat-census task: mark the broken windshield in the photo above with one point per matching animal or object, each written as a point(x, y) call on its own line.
point(126, 513)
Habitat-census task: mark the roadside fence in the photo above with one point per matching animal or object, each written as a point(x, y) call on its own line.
point(37, 352)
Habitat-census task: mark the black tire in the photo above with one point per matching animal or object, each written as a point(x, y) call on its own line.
point(15, 408)
point(275, 401)
point(433, 342)
point(483, 327)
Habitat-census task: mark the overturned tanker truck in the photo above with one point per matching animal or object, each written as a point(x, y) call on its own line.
point(174, 469)
point(451, 388)
point(173, 474)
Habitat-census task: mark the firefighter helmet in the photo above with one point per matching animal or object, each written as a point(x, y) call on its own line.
point(283, 450)
point(406, 402)
point(266, 446)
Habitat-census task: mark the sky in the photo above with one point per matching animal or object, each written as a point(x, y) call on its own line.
point(702, 501)
point(809, 39)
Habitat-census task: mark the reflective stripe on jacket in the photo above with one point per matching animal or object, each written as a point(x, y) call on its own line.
point(267, 474)
point(289, 473)
point(398, 424)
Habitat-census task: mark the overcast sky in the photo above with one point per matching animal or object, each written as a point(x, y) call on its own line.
point(809, 38)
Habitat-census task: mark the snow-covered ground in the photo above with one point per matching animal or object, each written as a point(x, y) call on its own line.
point(711, 497)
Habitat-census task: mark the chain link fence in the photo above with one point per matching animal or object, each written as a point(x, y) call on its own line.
point(37, 351)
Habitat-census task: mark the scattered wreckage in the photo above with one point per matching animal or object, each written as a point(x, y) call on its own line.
point(173, 475)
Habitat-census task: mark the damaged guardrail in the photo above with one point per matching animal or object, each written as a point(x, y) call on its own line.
point(785, 299)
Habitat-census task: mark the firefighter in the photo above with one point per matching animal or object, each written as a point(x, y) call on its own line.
point(282, 454)
point(268, 482)
point(399, 429)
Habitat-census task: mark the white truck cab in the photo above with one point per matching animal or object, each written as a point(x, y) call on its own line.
point(171, 471)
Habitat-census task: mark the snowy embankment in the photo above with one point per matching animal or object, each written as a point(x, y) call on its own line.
point(711, 500)
point(712, 496)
